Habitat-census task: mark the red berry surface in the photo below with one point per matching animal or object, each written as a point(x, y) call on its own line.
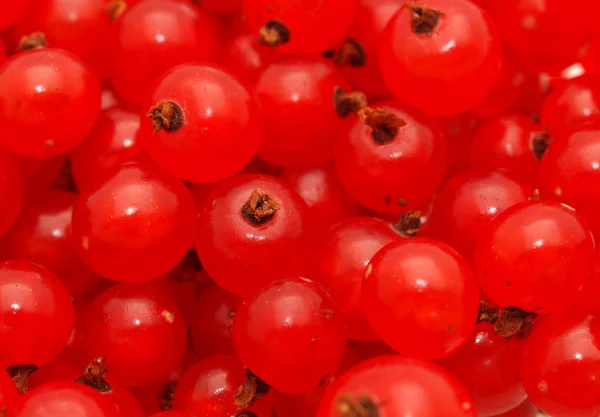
point(11, 190)
point(12, 12)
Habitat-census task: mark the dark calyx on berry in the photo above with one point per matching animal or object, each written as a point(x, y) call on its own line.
point(346, 103)
point(250, 391)
point(166, 115)
point(422, 19)
point(166, 395)
point(274, 33)
point(539, 144)
point(409, 223)
point(350, 53)
point(36, 40)
point(508, 322)
point(353, 406)
point(187, 269)
point(20, 376)
point(115, 8)
point(94, 374)
point(259, 208)
point(246, 414)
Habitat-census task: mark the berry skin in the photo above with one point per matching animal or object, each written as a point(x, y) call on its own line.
point(297, 96)
point(134, 223)
point(300, 27)
point(488, 366)
point(50, 102)
point(246, 57)
point(220, 7)
point(535, 256)
point(424, 288)
point(12, 12)
point(509, 142)
point(389, 175)
point(253, 229)
point(421, 49)
point(113, 141)
point(458, 132)
point(320, 188)
point(40, 174)
point(140, 332)
point(560, 367)
point(339, 264)
point(154, 36)
point(172, 414)
point(391, 386)
point(63, 398)
point(42, 235)
point(36, 314)
point(465, 205)
point(190, 130)
point(11, 190)
point(290, 335)
point(8, 391)
point(526, 409)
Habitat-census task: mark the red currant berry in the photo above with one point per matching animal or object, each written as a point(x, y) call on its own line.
point(8, 391)
point(591, 290)
point(12, 12)
point(172, 414)
point(465, 205)
point(535, 256)
point(134, 223)
point(220, 7)
point(50, 102)
point(390, 386)
point(388, 169)
point(36, 314)
point(526, 409)
point(291, 26)
point(154, 36)
point(253, 229)
point(571, 105)
point(114, 140)
point(246, 57)
point(320, 188)
point(290, 335)
point(435, 282)
point(11, 190)
point(78, 26)
point(458, 132)
point(560, 367)
point(42, 234)
point(212, 320)
point(40, 174)
point(297, 97)
point(339, 264)
point(190, 130)
point(2, 50)
point(63, 398)
point(421, 49)
point(509, 142)
point(140, 332)
point(488, 366)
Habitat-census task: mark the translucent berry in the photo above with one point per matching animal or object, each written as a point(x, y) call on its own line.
point(11, 190)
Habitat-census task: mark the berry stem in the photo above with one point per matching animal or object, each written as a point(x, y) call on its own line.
point(274, 33)
point(20, 376)
point(423, 20)
point(37, 40)
point(250, 391)
point(94, 374)
point(259, 208)
point(166, 115)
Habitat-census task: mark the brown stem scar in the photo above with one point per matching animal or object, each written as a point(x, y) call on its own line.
point(166, 115)
point(409, 223)
point(423, 20)
point(346, 103)
point(115, 8)
point(166, 395)
point(94, 374)
point(384, 123)
point(508, 322)
point(539, 144)
point(356, 406)
point(350, 53)
point(250, 391)
point(259, 208)
point(274, 33)
point(20, 376)
point(36, 40)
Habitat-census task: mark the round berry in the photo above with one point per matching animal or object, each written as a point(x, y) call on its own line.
point(11, 190)
point(12, 12)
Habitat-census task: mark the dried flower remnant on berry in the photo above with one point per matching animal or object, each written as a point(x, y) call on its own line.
point(166, 395)
point(353, 406)
point(36, 40)
point(20, 376)
point(166, 115)
point(274, 33)
point(350, 53)
point(115, 8)
point(508, 322)
point(422, 19)
point(409, 223)
point(246, 414)
point(539, 144)
point(259, 208)
point(346, 103)
point(250, 391)
point(94, 374)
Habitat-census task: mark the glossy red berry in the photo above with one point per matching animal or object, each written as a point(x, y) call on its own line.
point(8, 391)
point(134, 223)
point(63, 398)
point(440, 56)
point(50, 102)
point(393, 385)
point(11, 190)
point(488, 366)
point(321, 189)
point(560, 366)
point(36, 314)
point(300, 27)
point(113, 141)
point(290, 335)
point(246, 57)
point(297, 98)
point(435, 282)
point(42, 234)
point(140, 332)
point(535, 256)
point(154, 36)
point(253, 229)
point(339, 262)
point(392, 172)
point(40, 174)
point(458, 132)
point(526, 409)
point(175, 413)
point(465, 205)
point(509, 142)
point(13, 12)
point(212, 320)
point(195, 115)
point(220, 7)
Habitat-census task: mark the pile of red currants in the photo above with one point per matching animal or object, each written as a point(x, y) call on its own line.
point(299, 208)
